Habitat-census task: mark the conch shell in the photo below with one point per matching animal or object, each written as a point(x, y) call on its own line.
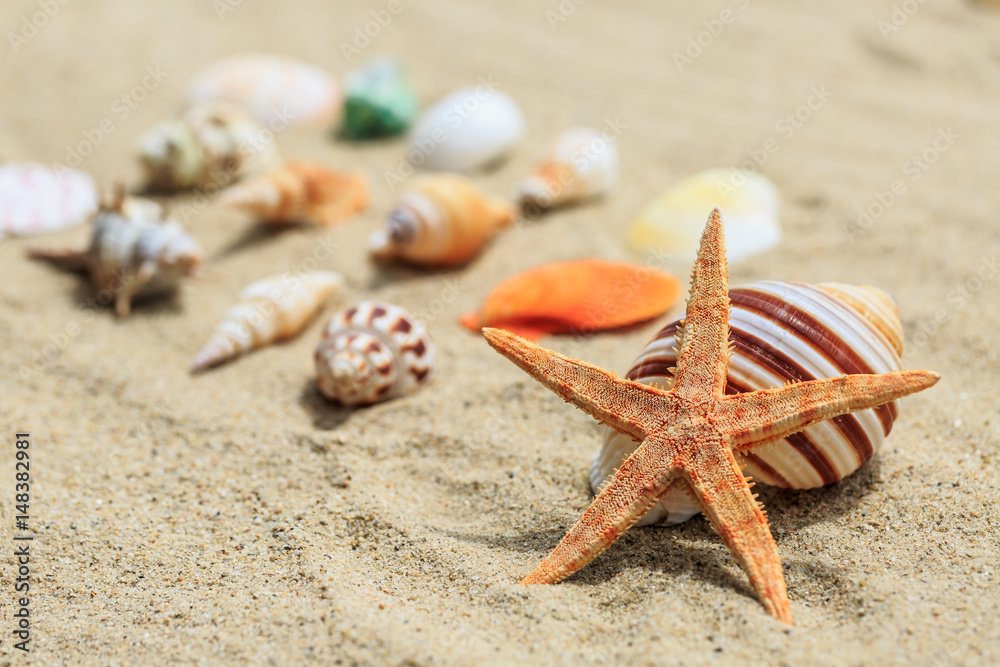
point(372, 352)
point(269, 310)
point(301, 192)
point(443, 219)
point(581, 164)
point(579, 296)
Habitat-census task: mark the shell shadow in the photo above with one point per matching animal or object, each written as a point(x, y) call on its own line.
point(325, 414)
point(256, 235)
point(391, 271)
point(161, 302)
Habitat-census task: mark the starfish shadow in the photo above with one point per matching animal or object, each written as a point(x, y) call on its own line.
point(325, 414)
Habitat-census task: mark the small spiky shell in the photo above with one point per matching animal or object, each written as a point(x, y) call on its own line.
point(301, 192)
point(442, 219)
point(269, 310)
point(785, 332)
point(580, 164)
point(134, 249)
point(210, 144)
point(372, 352)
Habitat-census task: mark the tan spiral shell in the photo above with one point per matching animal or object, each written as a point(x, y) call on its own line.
point(581, 163)
point(786, 332)
point(272, 309)
point(371, 352)
point(442, 219)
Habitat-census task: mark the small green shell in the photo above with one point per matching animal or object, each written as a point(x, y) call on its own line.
point(379, 101)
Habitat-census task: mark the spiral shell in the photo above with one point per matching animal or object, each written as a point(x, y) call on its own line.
point(208, 144)
point(134, 249)
point(786, 332)
point(272, 309)
point(580, 164)
point(372, 352)
point(301, 192)
point(443, 219)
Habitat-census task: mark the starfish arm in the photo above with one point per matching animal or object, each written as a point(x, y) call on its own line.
point(758, 417)
point(726, 500)
point(628, 407)
point(639, 483)
point(704, 349)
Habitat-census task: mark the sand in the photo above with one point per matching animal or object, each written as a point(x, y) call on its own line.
point(236, 517)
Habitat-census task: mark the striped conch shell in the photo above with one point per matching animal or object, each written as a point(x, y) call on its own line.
point(580, 164)
point(301, 192)
point(209, 145)
point(785, 332)
point(372, 352)
point(134, 249)
point(272, 309)
point(443, 219)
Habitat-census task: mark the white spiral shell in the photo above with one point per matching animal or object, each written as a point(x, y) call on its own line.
point(785, 332)
point(580, 164)
point(372, 352)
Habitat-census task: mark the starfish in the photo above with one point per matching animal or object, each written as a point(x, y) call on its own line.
point(691, 433)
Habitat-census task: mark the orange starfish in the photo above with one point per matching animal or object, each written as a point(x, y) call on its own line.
point(690, 432)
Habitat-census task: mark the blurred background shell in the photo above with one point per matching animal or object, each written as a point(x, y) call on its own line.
point(379, 101)
point(785, 332)
point(37, 199)
point(580, 163)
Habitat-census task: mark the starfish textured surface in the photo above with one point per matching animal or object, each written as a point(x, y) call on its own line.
point(689, 432)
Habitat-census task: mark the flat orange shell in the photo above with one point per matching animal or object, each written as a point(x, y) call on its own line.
point(580, 296)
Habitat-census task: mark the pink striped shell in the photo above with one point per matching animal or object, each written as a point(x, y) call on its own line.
point(785, 332)
point(372, 352)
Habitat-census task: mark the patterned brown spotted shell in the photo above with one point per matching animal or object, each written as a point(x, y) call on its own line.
point(372, 352)
point(785, 332)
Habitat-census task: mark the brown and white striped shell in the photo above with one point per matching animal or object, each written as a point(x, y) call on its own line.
point(372, 352)
point(271, 309)
point(209, 145)
point(784, 332)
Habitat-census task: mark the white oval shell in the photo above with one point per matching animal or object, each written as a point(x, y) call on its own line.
point(782, 332)
point(468, 129)
point(273, 89)
point(581, 163)
point(35, 199)
point(673, 222)
point(372, 352)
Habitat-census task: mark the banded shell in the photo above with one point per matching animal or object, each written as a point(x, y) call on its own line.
point(209, 145)
point(379, 101)
point(672, 223)
point(579, 296)
point(36, 199)
point(301, 192)
point(581, 163)
point(135, 248)
point(786, 332)
point(468, 129)
point(272, 309)
point(274, 90)
point(442, 219)
point(372, 352)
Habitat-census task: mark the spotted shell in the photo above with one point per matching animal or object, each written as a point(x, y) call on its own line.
point(372, 352)
point(580, 164)
point(275, 90)
point(786, 332)
point(36, 199)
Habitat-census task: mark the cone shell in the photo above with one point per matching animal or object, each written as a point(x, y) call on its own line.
point(302, 192)
point(785, 332)
point(272, 309)
point(210, 144)
point(442, 219)
point(372, 352)
point(672, 223)
point(274, 90)
point(36, 199)
point(580, 164)
point(576, 297)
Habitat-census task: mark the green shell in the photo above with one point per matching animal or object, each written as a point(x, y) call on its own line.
point(379, 101)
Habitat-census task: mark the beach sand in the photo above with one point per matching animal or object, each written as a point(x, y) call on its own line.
point(236, 517)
